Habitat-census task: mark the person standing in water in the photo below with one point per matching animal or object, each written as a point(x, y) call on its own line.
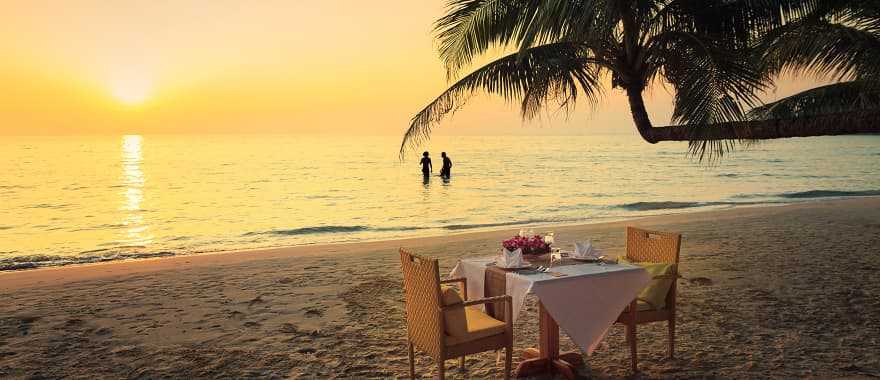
point(426, 164)
point(446, 171)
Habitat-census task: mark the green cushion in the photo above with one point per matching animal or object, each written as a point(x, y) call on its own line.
point(662, 277)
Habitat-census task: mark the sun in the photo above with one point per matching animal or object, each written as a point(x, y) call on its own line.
point(131, 91)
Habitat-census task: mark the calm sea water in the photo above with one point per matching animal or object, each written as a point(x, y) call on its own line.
point(83, 199)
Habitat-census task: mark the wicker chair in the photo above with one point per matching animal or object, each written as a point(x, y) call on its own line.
point(426, 315)
point(651, 247)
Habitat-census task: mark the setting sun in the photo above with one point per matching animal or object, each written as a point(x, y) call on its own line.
point(131, 91)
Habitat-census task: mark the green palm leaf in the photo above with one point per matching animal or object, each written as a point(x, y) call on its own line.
point(471, 27)
point(847, 97)
point(547, 73)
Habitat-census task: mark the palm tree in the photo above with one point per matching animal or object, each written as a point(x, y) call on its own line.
point(704, 49)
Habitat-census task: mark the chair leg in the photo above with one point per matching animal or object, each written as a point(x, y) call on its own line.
point(441, 369)
point(672, 337)
point(508, 361)
point(462, 362)
point(412, 362)
point(631, 338)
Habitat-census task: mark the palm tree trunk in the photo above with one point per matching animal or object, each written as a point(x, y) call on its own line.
point(640, 115)
point(820, 125)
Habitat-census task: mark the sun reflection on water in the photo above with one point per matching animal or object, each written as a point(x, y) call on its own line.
point(136, 229)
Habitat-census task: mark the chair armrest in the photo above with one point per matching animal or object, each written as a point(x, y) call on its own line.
point(497, 299)
point(461, 280)
point(451, 280)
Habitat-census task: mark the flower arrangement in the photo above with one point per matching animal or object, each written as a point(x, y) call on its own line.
point(535, 245)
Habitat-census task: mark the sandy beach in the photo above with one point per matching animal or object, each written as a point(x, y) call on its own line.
point(784, 291)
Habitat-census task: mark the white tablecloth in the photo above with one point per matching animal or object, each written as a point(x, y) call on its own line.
point(585, 303)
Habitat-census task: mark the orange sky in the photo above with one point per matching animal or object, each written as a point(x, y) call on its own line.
point(191, 66)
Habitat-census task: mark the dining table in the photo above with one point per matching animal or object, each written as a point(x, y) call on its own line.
point(583, 299)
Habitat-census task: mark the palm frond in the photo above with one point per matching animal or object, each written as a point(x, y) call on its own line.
point(550, 72)
point(844, 43)
point(571, 20)
point(847, 97)
point(471, 27)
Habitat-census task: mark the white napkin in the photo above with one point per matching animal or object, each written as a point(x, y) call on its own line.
point(510, 259)
point(585, 250)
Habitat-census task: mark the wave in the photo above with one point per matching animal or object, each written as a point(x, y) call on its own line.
point(322, 196)
point(310, 230)
point(36, 261)
point(668, 205)
point(403, 228)
point(455, 227)
point(829, 193)
point(49, 205)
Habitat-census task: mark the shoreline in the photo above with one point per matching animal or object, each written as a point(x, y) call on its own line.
point(648, 209)
point(54, 274)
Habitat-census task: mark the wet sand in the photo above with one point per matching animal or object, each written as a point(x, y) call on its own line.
point(785, 291)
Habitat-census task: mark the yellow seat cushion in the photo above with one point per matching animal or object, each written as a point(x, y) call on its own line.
point(653, 296)
point(449, 295)
point(465, 324)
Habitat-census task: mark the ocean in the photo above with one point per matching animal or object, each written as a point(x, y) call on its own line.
point(67, 200)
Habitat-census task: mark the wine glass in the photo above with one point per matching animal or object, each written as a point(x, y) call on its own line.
point(554, 257)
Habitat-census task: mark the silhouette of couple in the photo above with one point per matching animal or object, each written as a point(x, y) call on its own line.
point(427, 168)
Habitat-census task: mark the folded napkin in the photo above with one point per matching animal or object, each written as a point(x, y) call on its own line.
point(510, 259)
point(585, 250)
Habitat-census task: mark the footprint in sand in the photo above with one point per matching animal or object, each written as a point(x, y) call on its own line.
point(237, 315)
point(25, 322)
point(701, 281)
point(289, 328)
point(103, 331)
point(258, 300)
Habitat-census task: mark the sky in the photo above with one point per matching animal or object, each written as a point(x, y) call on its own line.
point(221, 66)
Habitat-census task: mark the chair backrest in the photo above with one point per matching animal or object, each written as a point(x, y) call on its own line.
point(421, 286)
point(652, 246)
point(655, 247)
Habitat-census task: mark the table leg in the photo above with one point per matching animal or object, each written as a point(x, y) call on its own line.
point(546, 358)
